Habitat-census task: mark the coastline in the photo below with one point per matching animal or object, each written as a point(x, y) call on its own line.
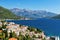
point(41, 24)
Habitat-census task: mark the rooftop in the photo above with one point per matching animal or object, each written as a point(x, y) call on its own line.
point(12, 38)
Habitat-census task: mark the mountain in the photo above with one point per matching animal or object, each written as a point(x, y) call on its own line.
point(32, 13)
point(7, 14)
point(56, 17)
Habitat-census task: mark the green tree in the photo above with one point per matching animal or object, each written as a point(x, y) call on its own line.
point(0, 28)
point(20, 37)
point(14, 34)
point(6, 38)
point(39, 30)
point(44, 39)
point(27, 37)
point(10, 34)
point(33, 36)
point(31, 29)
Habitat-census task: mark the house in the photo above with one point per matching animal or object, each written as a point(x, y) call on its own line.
point(11, 27)
point(14, 28)
point(0, 24)
point(23, 28)
point(52, 38)
point(37, 39)
point(10, 23)
point(31, 33)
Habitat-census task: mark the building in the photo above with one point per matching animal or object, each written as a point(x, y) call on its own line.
point(53, 38)
point(23, 28)
point(12, 38)
point(57, 38)
point(14, 28)
point(0, 24)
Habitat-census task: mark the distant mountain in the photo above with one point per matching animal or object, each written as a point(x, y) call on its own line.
point(32, 14)
point(7, 14)
point(56, 17)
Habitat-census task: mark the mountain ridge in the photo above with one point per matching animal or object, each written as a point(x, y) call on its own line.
point(32, 13)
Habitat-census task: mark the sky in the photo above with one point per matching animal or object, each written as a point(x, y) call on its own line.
point(45, 5)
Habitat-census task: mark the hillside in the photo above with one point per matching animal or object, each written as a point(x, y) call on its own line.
point(20, 32)
point(6, 14)
point(56, 17)
point(32, 13)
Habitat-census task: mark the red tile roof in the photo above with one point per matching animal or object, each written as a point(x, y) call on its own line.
point(12, 38)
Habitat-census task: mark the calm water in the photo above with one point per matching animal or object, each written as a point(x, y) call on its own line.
point(49, 26)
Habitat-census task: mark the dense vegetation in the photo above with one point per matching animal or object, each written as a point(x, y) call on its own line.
point(6, 14)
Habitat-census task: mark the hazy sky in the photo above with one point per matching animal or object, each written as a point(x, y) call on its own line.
point(48, 5)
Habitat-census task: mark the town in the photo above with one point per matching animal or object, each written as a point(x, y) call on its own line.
point(12, 31)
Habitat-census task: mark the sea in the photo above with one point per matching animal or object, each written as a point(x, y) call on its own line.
point(51, 27)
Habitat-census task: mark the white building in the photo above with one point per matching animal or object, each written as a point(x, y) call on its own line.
point(53, 38)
